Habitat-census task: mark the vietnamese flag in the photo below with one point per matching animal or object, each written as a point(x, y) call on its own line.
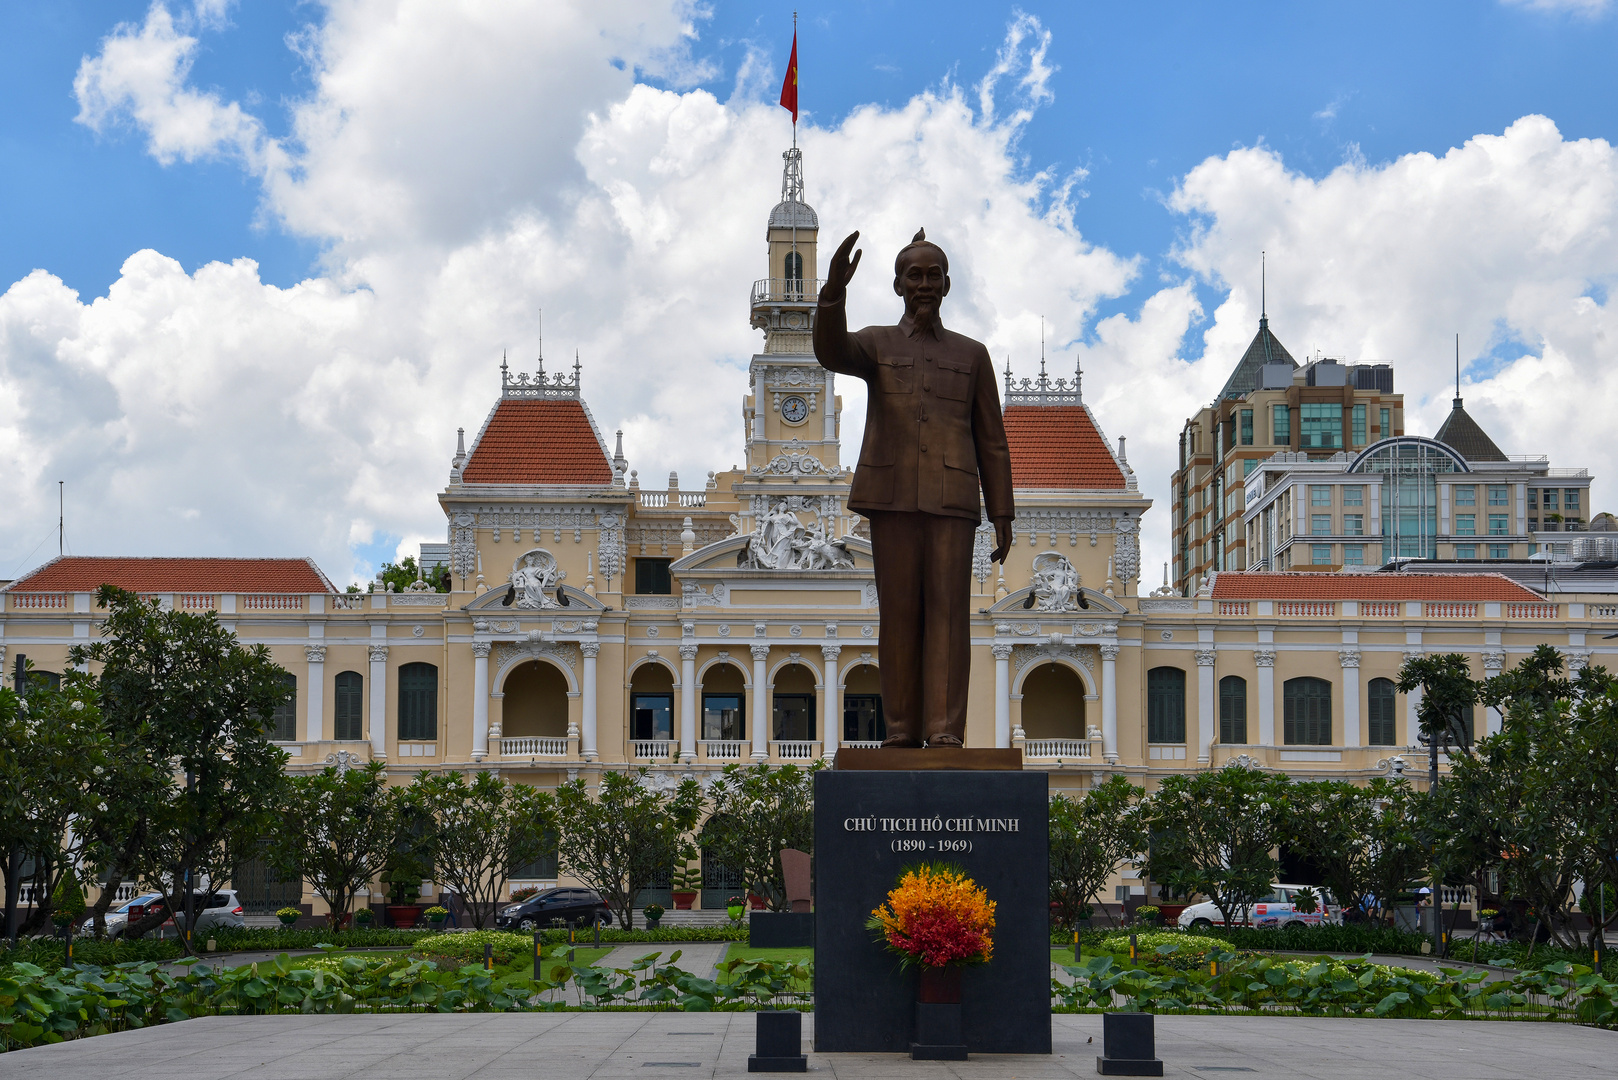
point(789, 87)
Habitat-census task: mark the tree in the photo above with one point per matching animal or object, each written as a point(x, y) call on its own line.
point(478, 830)
point(626, 836)
point(401, 575)
point(1448, 696)
point(337, 830)
point(190, 712)
point(757, 811)
point(1539, 801)
point(1213, 832)
point(1089, 837)
point(52, 755)
point(1365, 838)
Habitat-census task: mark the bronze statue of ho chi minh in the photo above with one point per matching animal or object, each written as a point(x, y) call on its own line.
point(933, 432)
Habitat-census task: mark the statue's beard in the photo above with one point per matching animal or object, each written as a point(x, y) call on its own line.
point(925, 311)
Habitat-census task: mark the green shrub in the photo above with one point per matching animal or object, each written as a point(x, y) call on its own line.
point(467, 948)
point(67, 899)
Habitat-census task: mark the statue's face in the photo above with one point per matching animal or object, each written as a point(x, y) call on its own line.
point(922, 281)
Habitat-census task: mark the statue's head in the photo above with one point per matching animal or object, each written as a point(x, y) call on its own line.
point(921, 276)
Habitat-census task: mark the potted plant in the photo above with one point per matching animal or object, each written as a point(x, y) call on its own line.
point(1148, 914)
point(288, 915)
point(519, 895)
point(937, 920)
point(735, 907)
point(363, 918)
point(404, 883)
point(686, 882)
point(654, 915)
point(436, 915)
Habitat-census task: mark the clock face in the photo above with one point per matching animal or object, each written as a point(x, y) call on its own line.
point(795, 410)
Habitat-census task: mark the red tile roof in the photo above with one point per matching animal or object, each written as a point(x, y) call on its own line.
point(538, 442)
point(76, 573)
point(1306, 586)
point(1058, 446)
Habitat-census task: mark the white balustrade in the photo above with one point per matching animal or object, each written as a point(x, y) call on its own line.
point(39, 601)
point(795, 749)
point(270, 602)
point(1056, 748)
point(541, 746)
point(721, 749)
point(1380, 609)
point(861, 744)
point(1450, 610)
point(656, 749)
point(1530, 611)
point(1312, 609)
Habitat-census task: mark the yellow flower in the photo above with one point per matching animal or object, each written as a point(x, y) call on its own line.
point(936, 916)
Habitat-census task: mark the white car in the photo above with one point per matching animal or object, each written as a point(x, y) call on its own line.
point(1275, 910)
point(118, 918)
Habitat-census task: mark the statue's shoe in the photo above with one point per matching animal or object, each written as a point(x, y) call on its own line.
point(903, 742)
point(949, 742)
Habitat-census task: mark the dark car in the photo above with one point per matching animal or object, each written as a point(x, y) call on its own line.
point(554, 907)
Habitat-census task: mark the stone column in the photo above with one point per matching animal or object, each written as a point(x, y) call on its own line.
point(1493, 664)
point(1265, 659)
point(1353, 732)
point(761, 704)
point(688, 704)
point(379, 702)
point(315, 727)
point(480, 699)
point(1002, 695)
point(590, 649)
point(1109, 703)
point(1205, 702)
point(830, 736)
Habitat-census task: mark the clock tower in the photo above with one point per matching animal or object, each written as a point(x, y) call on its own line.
point(792, 413)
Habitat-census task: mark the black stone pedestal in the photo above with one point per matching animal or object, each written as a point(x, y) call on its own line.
point(1128, 1045)
point(869, 826)
point(779, 1044)
point(781, 929)
point(938, 1033)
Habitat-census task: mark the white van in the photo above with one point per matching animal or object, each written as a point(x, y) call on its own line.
point(1274, 910)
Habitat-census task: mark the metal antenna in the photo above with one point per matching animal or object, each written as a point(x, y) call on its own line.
point(1457, 369)
point(1263, 285)
point(61, 516)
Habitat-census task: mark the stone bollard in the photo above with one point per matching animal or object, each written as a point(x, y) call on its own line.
point(779, 1046)
point(1128, 1045)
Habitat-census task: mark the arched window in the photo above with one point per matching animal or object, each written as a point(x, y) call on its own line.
point(418, 701)
point(1233, 710)
point(651, 704)
point(1308, 712)
point(350, 698)
point(1379, 706)
point(794, 272)
point(285, 717)
point(40, 680)
point(1165, 705)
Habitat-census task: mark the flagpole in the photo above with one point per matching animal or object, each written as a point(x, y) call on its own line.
point(794, 81)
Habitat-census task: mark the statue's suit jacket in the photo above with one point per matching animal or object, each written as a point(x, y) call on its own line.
point(933, 428)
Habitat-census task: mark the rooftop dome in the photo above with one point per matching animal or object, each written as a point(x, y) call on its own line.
point(792, 214)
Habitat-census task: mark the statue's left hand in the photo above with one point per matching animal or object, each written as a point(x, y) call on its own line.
point(1002, 538)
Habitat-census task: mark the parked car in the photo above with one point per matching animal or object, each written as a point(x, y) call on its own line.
point(555, 907)
point(1276, 909)
point(221, 910)
point(118, 917)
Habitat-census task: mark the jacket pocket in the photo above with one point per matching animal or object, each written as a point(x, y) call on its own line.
point(954, 379)
point(872, 484)
point(960, 485)
point(896, 374)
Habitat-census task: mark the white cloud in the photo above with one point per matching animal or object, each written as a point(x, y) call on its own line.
point(140, 76)
point(467, 166)
point(466, 169)
point(1588, 8)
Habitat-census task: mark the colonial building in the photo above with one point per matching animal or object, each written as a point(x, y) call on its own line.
point(597, 622)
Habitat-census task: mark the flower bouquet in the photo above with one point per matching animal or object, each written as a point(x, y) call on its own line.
point(938, 920)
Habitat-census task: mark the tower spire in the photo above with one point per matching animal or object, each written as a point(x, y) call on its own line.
point(1263, 287)
point(1457, 371)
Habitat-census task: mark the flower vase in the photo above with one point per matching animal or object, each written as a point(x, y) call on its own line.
point(939, 1034)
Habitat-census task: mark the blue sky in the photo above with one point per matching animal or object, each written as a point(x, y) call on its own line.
point(304, 232)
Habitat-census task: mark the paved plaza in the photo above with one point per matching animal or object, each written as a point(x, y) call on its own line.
point(574, 1046)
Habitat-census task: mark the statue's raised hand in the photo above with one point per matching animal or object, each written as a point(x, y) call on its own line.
point(842, 268)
